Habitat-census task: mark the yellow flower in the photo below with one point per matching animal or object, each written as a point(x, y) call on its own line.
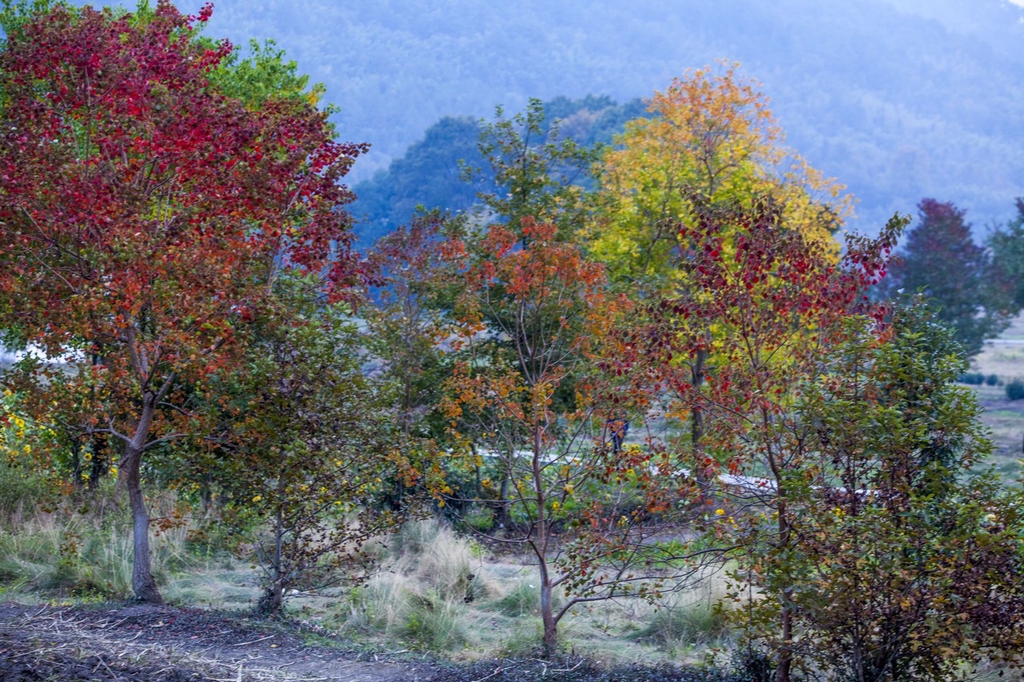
point(113, 471)
point(719, 512)
point(27, 449)
point(257, 498)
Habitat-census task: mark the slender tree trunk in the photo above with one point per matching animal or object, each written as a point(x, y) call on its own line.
point(782, 673)
point(547, 613)
point(502, 520)
point(785, 663)
point(540, 546)
point(697, 423)
point(99, 460)
point(142, 573)
point(272, 600)
point(76, 463)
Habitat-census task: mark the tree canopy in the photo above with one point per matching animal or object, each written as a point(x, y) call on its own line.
point(941, 260)
point(145, 216)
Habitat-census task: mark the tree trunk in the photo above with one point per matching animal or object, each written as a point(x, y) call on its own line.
point(540, 547)
point(272, 600)
point(785, 664)
point(76, 463)
point(697, 422)
point(503, 520)
point(142, 575)
point(547, 614)
point(99, 460)
point(782, 672)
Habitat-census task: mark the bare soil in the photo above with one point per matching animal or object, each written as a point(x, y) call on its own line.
point(165, 644)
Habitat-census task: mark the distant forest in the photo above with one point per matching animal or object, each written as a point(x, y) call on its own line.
point(446, 169)
point(898, 99)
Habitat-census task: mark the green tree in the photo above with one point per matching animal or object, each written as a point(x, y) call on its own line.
point(538, 173)
point(1006, 280)
point(310, 444)
point(907, 562)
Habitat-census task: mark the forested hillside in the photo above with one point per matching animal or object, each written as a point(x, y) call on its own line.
point(898, 99)
point(447, 170)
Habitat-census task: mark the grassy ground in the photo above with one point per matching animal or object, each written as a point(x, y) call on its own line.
point(1005, 418)
point(435, 591)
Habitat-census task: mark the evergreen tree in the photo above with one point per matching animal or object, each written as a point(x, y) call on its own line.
point(1007, 248)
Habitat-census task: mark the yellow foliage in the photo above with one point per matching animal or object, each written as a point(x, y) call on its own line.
point(711, 134)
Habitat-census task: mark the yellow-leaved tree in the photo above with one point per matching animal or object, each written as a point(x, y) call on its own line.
point(710, 144)
point(711, 134)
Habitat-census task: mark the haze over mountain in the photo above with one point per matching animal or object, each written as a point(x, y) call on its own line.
point(899, 99)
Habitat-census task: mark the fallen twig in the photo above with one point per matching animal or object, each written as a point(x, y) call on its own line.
point(261, 639)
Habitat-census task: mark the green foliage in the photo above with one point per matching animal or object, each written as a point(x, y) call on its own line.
point(538, 173)
point(264, 75)
point(308, 443)
point(1015, 390)
point(1006, 244)
point(903, 564)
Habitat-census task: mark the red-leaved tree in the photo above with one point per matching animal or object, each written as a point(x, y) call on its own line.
point(144, 218)
point(764, 306)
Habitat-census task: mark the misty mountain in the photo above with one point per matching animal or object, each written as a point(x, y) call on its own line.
point(899, 99)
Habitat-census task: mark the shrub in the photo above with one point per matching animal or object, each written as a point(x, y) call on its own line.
point(687, 624)
point(972, 378)
point(433, 623)
point(992, 380)
point(1015, 390)
point(21, 492)
point(523, 599)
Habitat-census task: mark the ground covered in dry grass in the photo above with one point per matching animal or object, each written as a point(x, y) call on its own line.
point(1003, 357)
point(117, 643)
point(165, 644)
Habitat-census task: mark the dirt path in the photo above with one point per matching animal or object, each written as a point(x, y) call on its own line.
point(164, 644)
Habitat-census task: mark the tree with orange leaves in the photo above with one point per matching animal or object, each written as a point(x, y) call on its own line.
point(537, 399)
